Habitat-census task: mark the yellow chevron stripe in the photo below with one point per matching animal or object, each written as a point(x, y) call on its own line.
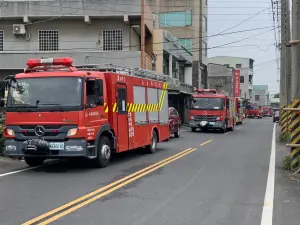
point(114, 107)
point(163, 98)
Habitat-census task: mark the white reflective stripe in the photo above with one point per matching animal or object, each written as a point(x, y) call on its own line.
point(47, 61)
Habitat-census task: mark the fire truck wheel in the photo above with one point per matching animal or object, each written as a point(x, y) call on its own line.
point(177, 133)
point(103, 152)
point(31, 161)
point(152, 147)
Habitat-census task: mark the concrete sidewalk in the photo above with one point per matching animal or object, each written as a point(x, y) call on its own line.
point(287, 188)
point(8, 165)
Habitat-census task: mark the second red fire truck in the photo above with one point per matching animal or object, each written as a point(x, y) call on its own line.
point(57, 110)
point(212, 110)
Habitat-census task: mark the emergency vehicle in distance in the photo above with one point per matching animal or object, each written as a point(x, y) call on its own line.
point(254, 110)
point(212, 110)
point(57, 110)
point(267, 111)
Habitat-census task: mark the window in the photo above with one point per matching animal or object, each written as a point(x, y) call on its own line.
point(90, 93)
point(242, 79)
point(48, 40)
point(187, 43)
point(175, 19)
point(181, 74)
point(256, 97)
point(204, 48)
point(238, 66)
point(113, 40)
point(1, 39)
point(204, 23)
point(122, 100)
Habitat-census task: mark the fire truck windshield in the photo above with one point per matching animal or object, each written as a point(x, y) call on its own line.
point(207, 103)
point(62, 93)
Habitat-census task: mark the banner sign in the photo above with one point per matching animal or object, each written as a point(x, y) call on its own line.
point(236, 83)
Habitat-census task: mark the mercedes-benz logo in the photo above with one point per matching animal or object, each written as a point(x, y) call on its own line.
point(39, 131)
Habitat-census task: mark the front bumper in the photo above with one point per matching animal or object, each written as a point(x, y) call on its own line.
point(72, 148)
point(209, 124)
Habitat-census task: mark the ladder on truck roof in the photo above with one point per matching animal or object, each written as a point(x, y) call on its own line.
point(142, 73)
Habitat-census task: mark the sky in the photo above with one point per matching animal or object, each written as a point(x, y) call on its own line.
point(223, 14)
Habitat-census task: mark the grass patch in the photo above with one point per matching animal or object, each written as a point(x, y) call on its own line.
point(285, 137)
point(287, 163)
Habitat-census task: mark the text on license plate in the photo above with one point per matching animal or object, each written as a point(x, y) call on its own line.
point(57, 146)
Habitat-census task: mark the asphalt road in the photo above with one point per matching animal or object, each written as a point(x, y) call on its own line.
point(220, 180)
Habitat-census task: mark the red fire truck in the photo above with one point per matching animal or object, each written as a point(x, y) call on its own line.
point(212, 110)
point(57, 110)
point(267, 111)
point(254, 110)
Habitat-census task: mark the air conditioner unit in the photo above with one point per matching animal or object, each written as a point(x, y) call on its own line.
point(19, 29)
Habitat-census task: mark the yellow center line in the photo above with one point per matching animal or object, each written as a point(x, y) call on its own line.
point(204, 143)
point(69, 204)
point(56, 217)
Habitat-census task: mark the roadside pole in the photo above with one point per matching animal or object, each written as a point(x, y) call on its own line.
point(283, 96)
point(295, 91)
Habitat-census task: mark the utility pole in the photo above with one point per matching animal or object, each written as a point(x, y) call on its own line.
point(283, 60)
point(295, 49)
point(288, 55)
point(143, 34)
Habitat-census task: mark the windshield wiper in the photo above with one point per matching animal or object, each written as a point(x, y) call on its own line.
point(29, 107)
point(59, 106)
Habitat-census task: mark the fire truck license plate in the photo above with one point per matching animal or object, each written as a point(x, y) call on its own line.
point(56, 146)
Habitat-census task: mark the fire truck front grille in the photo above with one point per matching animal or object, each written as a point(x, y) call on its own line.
point(206, 118)
point(47, 132)
point(45, 126)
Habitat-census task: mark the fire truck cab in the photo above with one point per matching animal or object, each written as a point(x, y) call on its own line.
point(57, 110)
point(267, 111)
point(212, 110)
point(254, 110)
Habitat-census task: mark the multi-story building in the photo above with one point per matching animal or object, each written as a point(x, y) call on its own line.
point(220, 77)
point(186, 20)
point(245, 65)
point(174, 59)
point(94, 32)
point(261, 95)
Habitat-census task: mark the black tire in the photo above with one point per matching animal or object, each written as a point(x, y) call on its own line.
point(194, 129)
point(177, 133)
point(150, 149)
point(104, 153)
point(34, 161)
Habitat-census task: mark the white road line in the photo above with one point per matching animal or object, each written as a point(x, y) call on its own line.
point(267, 214)
point(17, 171)
point(26, 169)
point(227, 132)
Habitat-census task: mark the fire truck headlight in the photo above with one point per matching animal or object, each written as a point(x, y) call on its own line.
point(9, 132)
point(72, 132)
point(218, 118)
point(192, 117)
